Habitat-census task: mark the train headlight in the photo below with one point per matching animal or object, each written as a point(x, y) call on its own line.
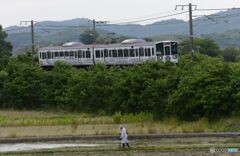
point(167, 58)
point(175, 56)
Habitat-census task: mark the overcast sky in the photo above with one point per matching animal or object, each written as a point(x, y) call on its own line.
point(13, 11)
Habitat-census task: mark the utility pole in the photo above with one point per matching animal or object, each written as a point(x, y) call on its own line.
point(32, 37)
point(190, 6)
point(94, 37)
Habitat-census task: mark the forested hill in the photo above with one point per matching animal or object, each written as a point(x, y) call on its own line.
point(52, 33)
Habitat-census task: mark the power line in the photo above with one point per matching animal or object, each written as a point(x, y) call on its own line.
point(149, 19)
point(216, 9)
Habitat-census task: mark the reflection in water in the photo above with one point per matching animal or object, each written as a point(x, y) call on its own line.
point(28, 147)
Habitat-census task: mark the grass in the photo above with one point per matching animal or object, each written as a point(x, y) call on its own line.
point(30, 123)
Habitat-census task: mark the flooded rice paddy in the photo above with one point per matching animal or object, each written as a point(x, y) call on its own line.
point(153, 147)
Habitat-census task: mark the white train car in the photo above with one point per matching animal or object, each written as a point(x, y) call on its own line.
point(129, 52)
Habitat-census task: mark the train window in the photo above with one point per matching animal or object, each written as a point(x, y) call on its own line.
point(71, 53)
point(149, 51)
point(40, 55)
point(83, 54)
point(66, 54)
point(56, 54)
point(105, 53)
point(174, 48)
point(159, 49)
point(136, 52)
point(120, 53)
point(97, 53)
point(101, 53)
point(126, 53)
point(110, 53)
point(167, 50)
point(49, 55)
point(114, 53)
point(75, 54)
point(61, 54)
point(79, 53)
point(132, 53)
point(141, 51)
point(43, 55)
point(88, 54)
point(146, 52)
point(153, 52)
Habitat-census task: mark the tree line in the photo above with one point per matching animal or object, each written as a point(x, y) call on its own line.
point(206, 87)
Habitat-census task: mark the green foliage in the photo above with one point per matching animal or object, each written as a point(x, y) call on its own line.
point(204, 46)
point(5, 48)
point(231, 54)
point(191, 90)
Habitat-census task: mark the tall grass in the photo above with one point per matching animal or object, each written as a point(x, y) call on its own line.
point(142, 123)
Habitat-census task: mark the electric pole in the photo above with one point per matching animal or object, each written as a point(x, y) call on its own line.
point(94, 37)
point(190, 6)
point(32, 37)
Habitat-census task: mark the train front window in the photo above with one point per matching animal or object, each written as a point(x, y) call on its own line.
point(159, 49)
point(167, 50)
point(174, 48)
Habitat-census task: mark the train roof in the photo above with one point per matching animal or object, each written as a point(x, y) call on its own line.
point(100, 46)
point(125, 44)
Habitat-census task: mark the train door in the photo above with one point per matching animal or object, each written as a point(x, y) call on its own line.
point(167, 51)
point(159, 51)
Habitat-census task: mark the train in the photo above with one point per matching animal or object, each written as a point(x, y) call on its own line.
point(128, 52)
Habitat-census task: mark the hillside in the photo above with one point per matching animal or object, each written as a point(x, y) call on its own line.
point(223, 27)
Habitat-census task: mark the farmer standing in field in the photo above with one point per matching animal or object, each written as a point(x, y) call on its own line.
point(124, 136)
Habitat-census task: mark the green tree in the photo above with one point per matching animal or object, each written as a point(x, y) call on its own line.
point(204, 46)
point(204, 90)
point(231, 54)
point(5, 48)
point(87, 37)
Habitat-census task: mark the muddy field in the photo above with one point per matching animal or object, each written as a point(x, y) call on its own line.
point(154, 147)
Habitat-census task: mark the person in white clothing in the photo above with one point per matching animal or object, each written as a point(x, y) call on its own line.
point(124, 136)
